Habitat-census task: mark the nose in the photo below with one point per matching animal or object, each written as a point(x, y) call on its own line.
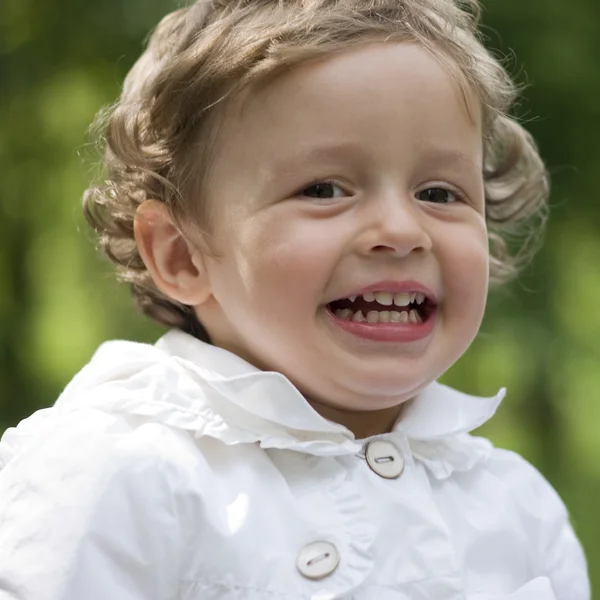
point(395, 224)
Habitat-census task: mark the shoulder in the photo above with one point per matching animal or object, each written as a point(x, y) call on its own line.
point(542, 518)
point(87, 452)
point(100, 488)
point(508, 503)
point(105, 493)
point(473, 467)
point(529, 489)
point(546, 522)
point(120, 411)
point(508, 481)
point(470, 472)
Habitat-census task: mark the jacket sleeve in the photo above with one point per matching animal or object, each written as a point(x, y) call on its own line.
point(560, 556)
point(563, 562)
point(91, 510)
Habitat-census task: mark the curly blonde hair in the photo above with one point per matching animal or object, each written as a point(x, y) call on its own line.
point(158, 136)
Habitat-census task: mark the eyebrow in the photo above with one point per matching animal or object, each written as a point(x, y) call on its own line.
point(444, 156)
point(311, 154)
point(435, 156)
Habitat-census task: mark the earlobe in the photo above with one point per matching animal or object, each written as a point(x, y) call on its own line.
point(176, 266)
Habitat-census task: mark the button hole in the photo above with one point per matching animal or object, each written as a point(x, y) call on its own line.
point(317, 559)
point(384, 459)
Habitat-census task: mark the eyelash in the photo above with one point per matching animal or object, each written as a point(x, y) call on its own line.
point(459, 196)
point(324, 182)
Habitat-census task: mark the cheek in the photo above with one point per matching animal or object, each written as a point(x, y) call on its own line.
point(469, 273)
point(283, 260)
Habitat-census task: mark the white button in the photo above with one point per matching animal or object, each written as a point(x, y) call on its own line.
point(384, 459)
point(317, 560)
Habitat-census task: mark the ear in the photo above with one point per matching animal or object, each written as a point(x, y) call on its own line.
point(176, 266)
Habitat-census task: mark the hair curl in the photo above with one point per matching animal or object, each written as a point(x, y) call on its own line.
point(201, 55)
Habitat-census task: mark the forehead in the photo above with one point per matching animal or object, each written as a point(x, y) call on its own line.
point(379, 97)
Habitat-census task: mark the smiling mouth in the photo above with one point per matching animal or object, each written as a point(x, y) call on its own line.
point(384, 307)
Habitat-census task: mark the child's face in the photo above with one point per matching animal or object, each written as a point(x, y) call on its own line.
point(387, 133)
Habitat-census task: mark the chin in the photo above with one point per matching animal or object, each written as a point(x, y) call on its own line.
point(382, 393)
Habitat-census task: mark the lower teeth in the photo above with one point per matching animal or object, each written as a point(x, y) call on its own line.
point(384, 316)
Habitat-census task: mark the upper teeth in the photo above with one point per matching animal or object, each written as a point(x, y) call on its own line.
point(388, 298)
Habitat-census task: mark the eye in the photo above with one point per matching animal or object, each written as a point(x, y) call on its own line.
point(438, 195)
point(324, 189)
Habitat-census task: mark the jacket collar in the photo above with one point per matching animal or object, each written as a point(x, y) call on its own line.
point(187, 384)
point(438, 411)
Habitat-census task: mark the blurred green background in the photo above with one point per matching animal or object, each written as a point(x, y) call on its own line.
point(62, 60)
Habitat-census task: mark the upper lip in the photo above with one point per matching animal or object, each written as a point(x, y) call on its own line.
point(396, 287)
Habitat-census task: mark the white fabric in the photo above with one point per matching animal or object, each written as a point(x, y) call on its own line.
point(179, 471)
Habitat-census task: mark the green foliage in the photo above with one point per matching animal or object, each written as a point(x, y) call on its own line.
point(62, 60)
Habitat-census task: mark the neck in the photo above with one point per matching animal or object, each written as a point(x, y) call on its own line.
point(362, 424)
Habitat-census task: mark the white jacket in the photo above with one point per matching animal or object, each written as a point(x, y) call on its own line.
point(179, 471)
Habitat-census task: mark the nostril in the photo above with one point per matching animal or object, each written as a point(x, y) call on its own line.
point(383, 249)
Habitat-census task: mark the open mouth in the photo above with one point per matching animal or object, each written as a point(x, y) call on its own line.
point(384, 307)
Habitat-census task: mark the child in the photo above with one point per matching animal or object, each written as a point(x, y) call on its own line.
point(304, 191)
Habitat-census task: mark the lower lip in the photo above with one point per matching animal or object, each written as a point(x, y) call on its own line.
point(386, 332)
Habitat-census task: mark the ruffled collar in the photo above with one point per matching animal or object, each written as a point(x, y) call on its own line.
point(189, 384)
